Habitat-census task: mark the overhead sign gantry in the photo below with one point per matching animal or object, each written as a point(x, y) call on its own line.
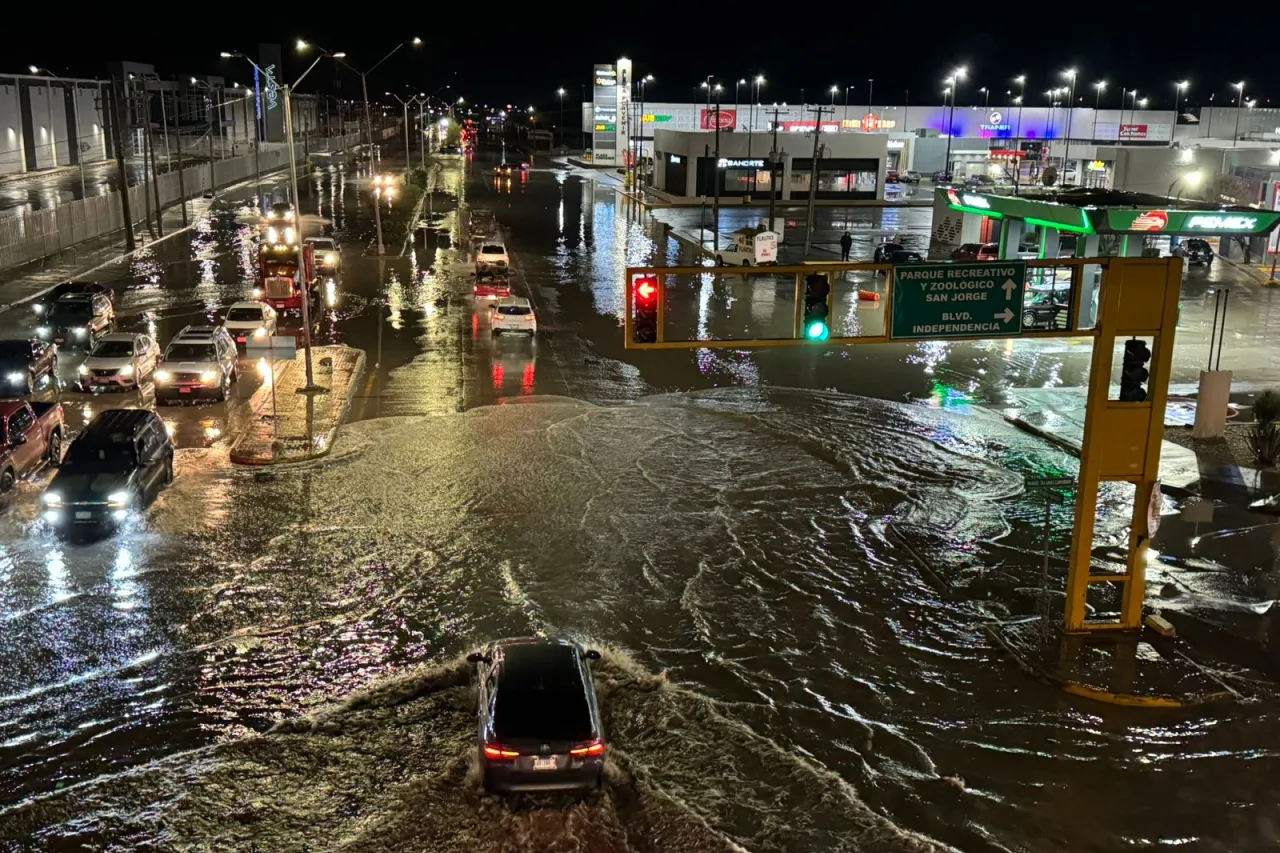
point(1138, 304)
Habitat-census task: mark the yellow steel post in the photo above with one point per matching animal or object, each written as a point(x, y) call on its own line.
point(627, 305)
point(796, 331)
point(662, 307)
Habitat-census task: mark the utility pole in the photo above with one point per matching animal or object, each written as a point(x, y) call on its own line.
point(182, 186)
point(146, 187)
point(368, 121)
point(773, 169)
point(155, 179)
point(715, 176)
point(118, 131)
point(813, 176)
point(213, 181)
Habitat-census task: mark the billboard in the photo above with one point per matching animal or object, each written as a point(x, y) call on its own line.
point(727, 119)
point(270, 99)
point(604, 125)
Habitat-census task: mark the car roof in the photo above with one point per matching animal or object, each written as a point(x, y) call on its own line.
point(76, 297)
point(119, 336)
point(116, 420)
point(514, 302)
point(197, 334)
point(319, 240)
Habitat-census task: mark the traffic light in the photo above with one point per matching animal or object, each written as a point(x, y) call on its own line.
point(817, 306)
point(644, 302)
point(1133, 375)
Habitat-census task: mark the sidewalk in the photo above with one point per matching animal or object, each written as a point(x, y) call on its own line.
point(289, 426)
point(1057, 415)
point(1258, 272)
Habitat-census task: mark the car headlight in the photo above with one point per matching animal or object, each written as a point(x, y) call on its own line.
point(163, 376)
point(127, 370)
point(273, 236)
point(43, 331)
point(257, 291)
point(208, 376)
point(331, 258)
point(80, 331)
point(15, 376)
point(260, 332)
point(39, 308)
point(288, 235)
point(83, 370)
point(118, 499)
point(52, 499)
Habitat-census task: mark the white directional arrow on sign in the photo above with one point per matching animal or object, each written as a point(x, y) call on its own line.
point(1006, 315)
point(1009, 287)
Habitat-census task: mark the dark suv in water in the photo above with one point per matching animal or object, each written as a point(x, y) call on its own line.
point(539, 720)
point(1196, 251)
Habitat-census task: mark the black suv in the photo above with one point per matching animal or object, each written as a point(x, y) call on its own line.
point(114, 468)
point(78, 319)
point(1196, 251)
point(539, 721)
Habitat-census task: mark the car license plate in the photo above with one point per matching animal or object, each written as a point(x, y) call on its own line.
point(548, 763)
point(184, 390)
point(83, 514)
point(59, 340)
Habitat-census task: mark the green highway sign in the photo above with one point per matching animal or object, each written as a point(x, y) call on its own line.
point(957, 300)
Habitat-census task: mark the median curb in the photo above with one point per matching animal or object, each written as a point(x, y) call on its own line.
point(298, 426)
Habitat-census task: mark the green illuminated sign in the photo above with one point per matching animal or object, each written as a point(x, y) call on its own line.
point(1064, 217)
point(649, 119)
point(932, 301)
point(1191, 221)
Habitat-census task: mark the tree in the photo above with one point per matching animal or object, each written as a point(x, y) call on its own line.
point(1049, 176)
point(1225, 189)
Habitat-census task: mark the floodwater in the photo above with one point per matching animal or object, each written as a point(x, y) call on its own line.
point(274, 659)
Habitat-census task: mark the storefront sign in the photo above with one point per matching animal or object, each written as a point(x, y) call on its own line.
point(896, 144)
point(1096, 166)
point(606, 77)
point(968, 200)
point(676, 159)
point(868, 123)
point(1133, 131)
point(996, 123)
point(740, 164)
point(724, 118)
point(1191, 221)
point(272, 90)
point(807, 126)
point(1005, 155)
point(651, 119)
point(766, 247)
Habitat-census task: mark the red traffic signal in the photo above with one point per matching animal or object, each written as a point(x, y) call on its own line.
point(646, 289)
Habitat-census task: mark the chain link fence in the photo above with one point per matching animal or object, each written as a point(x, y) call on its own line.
point(42, 233)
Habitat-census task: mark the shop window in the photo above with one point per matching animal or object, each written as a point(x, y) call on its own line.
point(737, 180)
point(844, 181)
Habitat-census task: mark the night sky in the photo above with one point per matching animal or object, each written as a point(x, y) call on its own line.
point(521, 55)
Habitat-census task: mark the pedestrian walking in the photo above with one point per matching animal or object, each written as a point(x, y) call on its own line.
point(846, 245)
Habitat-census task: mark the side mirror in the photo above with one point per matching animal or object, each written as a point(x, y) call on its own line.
point(592, 654)
point(475, 657)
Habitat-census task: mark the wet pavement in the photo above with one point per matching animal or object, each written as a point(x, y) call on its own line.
point(20, 194)
point(751, 537)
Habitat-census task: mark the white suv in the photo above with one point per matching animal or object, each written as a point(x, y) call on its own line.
point(512, 314)
point(251, 319)
point(492, 254)
point(199, 362)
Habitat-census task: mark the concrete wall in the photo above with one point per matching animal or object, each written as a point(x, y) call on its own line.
point(12, 159)
point(1154, 170)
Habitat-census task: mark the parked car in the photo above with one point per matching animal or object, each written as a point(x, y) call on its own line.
point(326, 254)
point(904, 257)
point(78, 319)
point(977, 252)
point(884, 250)
point(120, 360)
point(892, 177)
point(1041, 309)
point(491, 284)
point(910, 176)
point(30, 438)
point(23, 361)
point(42, 305)
point(942, 176)
point(538, 718)
point(201, 361)
point(114, 468)
point(250, 319)
point(1195, 251)
point(512, 314)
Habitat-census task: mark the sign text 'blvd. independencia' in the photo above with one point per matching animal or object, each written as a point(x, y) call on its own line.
point(958, 300)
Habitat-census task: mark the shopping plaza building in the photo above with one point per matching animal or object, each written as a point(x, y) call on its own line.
point(1159, 152)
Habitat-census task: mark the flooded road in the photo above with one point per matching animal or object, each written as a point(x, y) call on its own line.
point(754, 541)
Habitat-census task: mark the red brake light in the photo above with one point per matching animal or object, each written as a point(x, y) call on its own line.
point(495, 751)
point(593, 748)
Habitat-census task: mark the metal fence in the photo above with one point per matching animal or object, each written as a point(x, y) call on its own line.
point(42, 233)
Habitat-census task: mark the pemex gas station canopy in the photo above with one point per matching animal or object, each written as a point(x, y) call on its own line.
point(1098, 211)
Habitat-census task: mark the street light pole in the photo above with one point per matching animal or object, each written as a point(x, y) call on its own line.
point(560, 93)
point(404, 104)
point(1071, 108)
point(954, 81)
point(1235, 134)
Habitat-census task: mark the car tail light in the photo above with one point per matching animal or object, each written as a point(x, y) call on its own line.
point(493, 750)
point(596, 747)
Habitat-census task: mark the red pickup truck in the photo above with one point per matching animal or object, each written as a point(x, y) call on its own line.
point(30, 436)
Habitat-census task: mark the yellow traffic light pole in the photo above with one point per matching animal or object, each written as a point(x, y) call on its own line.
point(1138, 298)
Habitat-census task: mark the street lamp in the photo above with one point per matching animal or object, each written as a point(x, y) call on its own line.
point(297, 205)
point(751, 125)
point(640, 84)
point(953, 83)
point(368, 120)
point(834, 89)
point(1071, 104)
point(1235, 135)
point(1178, 89)
point(986, 101)
point(560, 94)
point(1190, 179)
point(1099, 88)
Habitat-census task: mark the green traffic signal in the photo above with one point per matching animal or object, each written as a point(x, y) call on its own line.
point(816, 331)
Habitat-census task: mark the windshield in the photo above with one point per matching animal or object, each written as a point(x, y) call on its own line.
point(72, 311)
point(15, 349)
point(491, 249)
point(113, 349)
point(190, 352)
point(514, 310)
point(244, 315)
point(115, 458)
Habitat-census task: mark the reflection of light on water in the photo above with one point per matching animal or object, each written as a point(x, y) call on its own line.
point(395, 302)
point(704, 305)
point(948, 397)
point(56, 570)
point(123, 585)
point(930, 354)
point(212, 432)
point(264, 371)
point(170, 427)
point(330, 293)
